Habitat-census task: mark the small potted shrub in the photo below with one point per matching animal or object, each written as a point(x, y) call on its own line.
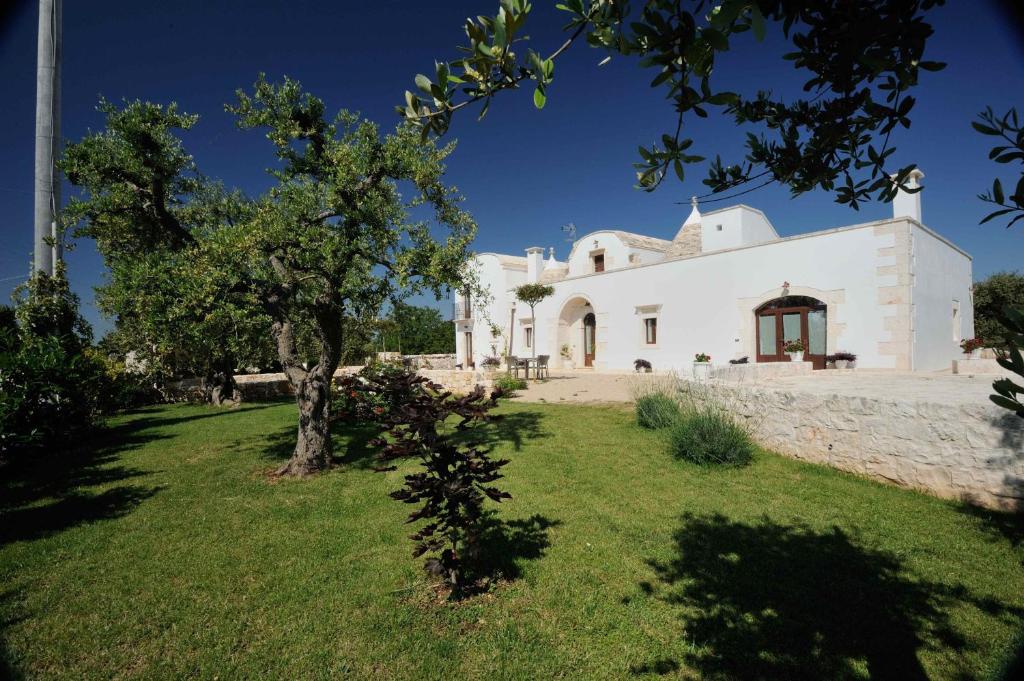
point(972, 347)
point(566, 353)
point(842, 359)
point(490, 363)
point(701, 366)
point(643, 364)
point(795, 350)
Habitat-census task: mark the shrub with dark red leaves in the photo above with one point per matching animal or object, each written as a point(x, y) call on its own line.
point(456, 478)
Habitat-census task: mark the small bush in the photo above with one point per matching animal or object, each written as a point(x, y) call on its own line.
point(706, 435)
point(508, 385)
point(656, 411)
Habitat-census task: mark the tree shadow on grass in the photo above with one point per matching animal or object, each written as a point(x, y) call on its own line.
point(350, 441)
point(771, 601)
point(502, 546)
point(514, 429)
point(43, 493)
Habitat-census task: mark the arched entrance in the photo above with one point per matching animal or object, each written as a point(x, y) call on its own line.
point(577, 332)
point(792, 318)
point(589, 339)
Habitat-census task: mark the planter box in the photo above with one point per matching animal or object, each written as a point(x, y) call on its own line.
point(701, 370)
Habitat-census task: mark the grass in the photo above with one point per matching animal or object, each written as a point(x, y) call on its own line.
point(169, 554)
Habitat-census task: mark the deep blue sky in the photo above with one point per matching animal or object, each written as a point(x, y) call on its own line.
point(524, 173)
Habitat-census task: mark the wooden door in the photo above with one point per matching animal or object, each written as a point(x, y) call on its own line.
point(589, 339)
point(778, 323)
point(469, 350)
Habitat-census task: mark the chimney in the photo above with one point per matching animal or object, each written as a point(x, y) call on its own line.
point(907, 205)
point(534, 263)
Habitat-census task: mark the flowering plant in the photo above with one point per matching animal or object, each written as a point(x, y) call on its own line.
point(702, 357)
point(794, 346)
point(566, 351)
point(969, 345)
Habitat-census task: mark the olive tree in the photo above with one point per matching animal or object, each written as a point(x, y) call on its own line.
point(335, 238)
point(147, 207)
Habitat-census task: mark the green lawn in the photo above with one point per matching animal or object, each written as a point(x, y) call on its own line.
point(170, 554)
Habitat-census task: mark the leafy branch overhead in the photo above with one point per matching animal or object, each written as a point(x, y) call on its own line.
point(861, 60)
point(1010, 148)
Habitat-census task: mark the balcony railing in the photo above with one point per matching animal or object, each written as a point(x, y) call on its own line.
point(462, 310)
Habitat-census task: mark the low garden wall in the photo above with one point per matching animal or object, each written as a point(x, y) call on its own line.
point(429, 361)
point(256, 387)
point(969, 452)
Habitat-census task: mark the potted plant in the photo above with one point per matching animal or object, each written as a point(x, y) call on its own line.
point(639, 364)
point(972, 347)
point(795, 350)
point(490, 363)
point(842, 359)
point(701, 366)
point(566, 353)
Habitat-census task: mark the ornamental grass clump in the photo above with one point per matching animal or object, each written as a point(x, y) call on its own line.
point(707, 435)
point(656, 411)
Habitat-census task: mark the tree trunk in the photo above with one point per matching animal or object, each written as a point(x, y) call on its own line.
point(313, 447)
point(222, 390)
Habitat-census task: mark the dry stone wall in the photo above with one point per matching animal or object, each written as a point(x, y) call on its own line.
point(970, 452)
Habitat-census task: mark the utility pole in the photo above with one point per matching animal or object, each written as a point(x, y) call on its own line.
point(47, 177)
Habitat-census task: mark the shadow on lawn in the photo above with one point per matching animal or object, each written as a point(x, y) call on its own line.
point(44, 493)
point(503, 545)
point(770, 601)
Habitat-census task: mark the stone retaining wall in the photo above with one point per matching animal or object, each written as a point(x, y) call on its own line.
point(429, 361)
point(257, 387)
point(970, 452)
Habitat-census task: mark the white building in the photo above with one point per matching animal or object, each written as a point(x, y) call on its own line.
point(893, 292)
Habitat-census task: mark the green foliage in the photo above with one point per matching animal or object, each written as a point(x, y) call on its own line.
point(1010, 393)
point(420, 330)
point(1010, 148)
point(53, 388)
point(836, 139)
point(532, 294)
point(147, 207)
point(708, 435)
point(656, 411)
point(509, 384)
point(990, 297)
point(369, 396)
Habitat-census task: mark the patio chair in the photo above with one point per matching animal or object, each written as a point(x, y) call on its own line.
point(542, 366)
point(514, 364)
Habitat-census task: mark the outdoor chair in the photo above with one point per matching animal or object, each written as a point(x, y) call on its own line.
point(542, 366)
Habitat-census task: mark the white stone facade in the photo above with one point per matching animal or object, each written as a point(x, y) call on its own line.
point(893, 292)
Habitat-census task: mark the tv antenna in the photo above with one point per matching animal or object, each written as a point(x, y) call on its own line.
point(570, 231)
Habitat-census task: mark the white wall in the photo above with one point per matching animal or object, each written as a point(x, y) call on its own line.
point(699, 300)
point(498, 280)
point(733, 227)
point(941, 274)
point(616, 254)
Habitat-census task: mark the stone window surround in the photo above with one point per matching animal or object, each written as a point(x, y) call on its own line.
point(591, 254)
point(747, 308)
point(645, 312)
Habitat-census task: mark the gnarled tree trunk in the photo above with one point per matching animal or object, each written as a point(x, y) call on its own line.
point(221, 388)
point(313, 447)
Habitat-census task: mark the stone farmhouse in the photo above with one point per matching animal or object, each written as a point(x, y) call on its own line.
point(894, 292)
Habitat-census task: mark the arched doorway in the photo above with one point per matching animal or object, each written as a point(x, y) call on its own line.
point(589, 339)
point(791, 318)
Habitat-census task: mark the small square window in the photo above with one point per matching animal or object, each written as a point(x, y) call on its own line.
point(651, 330)
point(718, 228)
